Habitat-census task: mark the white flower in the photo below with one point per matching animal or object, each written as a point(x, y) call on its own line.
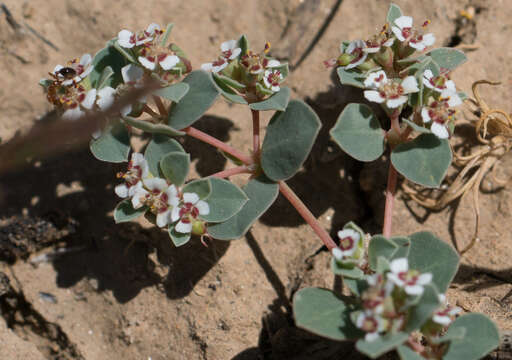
point(270, 63)
point(230, 50)
point(132, 77)
point(451, 96)
point(188, 211)
point(127, 39)
point(78, 103)
point(356, 49)
point(392, 92)
point(403, 31)
point(165, 60)
point(411, 280)
point(159, 196)
point(349, 243)
point(371, 324)
point(440, 114)
point(272, 78)
point(216, 66)
point(105, 97)
point(75, 71)
point(136, 172)
point(374, 44)
point(444, 316)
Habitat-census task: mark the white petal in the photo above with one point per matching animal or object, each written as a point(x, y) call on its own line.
point(137, 159)
point(452, 96)
point(360, 320)
point(442, 298)
point(389, 42)
point(424, 279)
point(398, 33)
point(414, 289)
point(162, 218)
point(132, 190)
point(183, 228)
point(86, 72)
point(207, 66)
point(394, 103)
point(146, 63)
point(429, 39)
point(275, 88)
point(403, 22)
point(73, 114)
point(123, 38)
point(235, 53)
point(370, 81)
point(358, 62)
point(57, 68)
point(394, 278)
point(399, 265)
point(156, 184)
point(136, 199)
point(106, 97)
point(152, 27)
point(172, 192)
point(273, 63)
point(439, 130)
point(371, 336)
point(349, 252)
point(190, 198)
point(354, 45)
point(90, 99)
point(374, 96)
point(228, 45)
point(450, 85)
point(121, 190)
point(337, 253)
point(442, 320)
point(410, 85)
point(175, 214)
point(85, 60)
point(425, 116)
point(371, 50)
point(169, 62)
point(219, 68)
point(126, 110)
point(420, 46)
point(203, 207)
point(349, 233)
point(131, 73)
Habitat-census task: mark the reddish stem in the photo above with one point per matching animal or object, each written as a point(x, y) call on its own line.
point(256, 132)
point(306, 215)
point(161, 107)
point(234, 171)
point(390, 199)
point(195, 133)
point(391, 186)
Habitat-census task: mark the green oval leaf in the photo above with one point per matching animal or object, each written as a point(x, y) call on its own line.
point(113, 145)
point(430, 254)
point(448, 58)
point(351, 272)
point(223, 86)
point(175, 166)
point(177, 238)
point(278, 101)
point(352, 78)
point(380, 246)
point(225, 200)
point(403, 246)
point(424, 160)
point(358, 133)
point(174, 92)
point(394, 13)
point(288, 141)
point(202, 187)
point(108, 56)
point(261, 193)
point(323, 313)
point(406, 353)
point(125, 212)
point(481, 338)
point(157, 148)
point(200, 96)
point(424, 308)
point(382, 345)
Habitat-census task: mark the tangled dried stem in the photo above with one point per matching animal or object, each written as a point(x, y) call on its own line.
point(493, 130)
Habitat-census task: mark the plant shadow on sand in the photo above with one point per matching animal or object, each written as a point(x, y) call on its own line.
point(74, 184)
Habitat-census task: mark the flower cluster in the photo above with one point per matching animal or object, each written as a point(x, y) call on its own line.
point(388, 81)
point(252, 75)
point(388, 298)
point(350, 248)
point(167, 202)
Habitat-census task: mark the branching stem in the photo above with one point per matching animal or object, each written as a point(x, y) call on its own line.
point(233, 171)
point(306, 215)
point(391, 186)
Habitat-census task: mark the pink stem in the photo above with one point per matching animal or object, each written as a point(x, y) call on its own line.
point(256, 132)
point(306, 215)
point(390, 199)
point(198, 134)
point(234, 171)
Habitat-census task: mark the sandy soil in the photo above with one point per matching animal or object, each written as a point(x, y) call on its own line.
point(124, 292)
